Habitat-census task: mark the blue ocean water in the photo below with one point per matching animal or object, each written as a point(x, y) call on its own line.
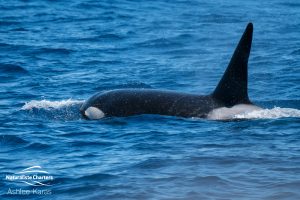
point(56, 54)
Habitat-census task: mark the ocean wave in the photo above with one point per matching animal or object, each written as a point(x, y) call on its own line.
point(273, 113)
point(46, 104)
point(12, 69)
point(12, 140)
point(46, 50)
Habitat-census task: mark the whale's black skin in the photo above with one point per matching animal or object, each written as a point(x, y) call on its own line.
point(126, 102)
point(231, 90)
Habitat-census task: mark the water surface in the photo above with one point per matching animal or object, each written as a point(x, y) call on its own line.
point(54, 55)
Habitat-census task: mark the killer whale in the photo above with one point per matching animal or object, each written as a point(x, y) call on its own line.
point(231, 94)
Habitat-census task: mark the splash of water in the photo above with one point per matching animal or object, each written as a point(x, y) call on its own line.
point(45, 104)
point(53, 110)
point(273, 113)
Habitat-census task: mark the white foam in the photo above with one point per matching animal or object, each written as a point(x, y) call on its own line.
point(93, 113)
point(224, 113)
point(273, 113)
point(243, 111)
point(45, 104)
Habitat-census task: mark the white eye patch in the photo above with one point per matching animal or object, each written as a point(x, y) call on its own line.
point(94, 113)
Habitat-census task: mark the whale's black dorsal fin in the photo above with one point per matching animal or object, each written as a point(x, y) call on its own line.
point(233, 87)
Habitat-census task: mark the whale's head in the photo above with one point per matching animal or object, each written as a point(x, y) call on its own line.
point(90, 109)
